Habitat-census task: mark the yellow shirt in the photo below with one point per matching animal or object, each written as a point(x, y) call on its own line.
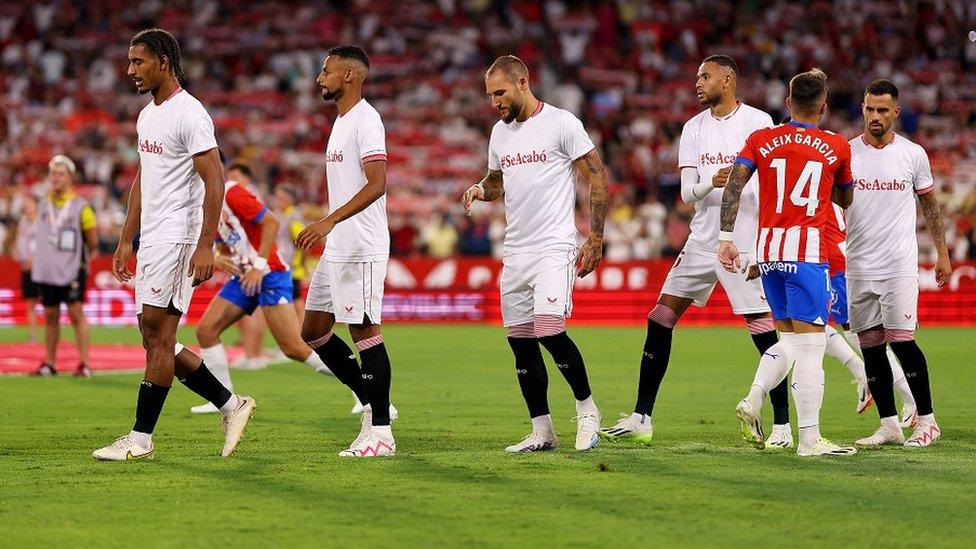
point(88, 221)
point(298, 259)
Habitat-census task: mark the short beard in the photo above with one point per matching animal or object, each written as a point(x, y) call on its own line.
point(331, 95)
point(878, 132)
point(513, 112)
point(710, 100)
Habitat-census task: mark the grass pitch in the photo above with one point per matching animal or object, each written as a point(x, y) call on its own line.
point(451, 483)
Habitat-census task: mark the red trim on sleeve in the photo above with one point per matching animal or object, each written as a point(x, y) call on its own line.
point(374, 158)
point(925, 191)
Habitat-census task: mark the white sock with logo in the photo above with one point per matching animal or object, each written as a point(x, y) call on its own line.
point(808, 384)
point(899, 381)
point(542, 424)
point(774, 364)
point(838, 348)
point(216, 360)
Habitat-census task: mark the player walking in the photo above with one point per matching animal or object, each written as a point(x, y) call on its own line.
point(175, 203)
point(883, 262)
point(708, 145)
point(801, 169)
point(535, 153)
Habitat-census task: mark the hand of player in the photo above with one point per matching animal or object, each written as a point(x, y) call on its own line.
point(728, 256)
point(753, 272)
point(721, 178)
point(589, 256)
point(251, 282)
point(120, 262)
point(943, 268)
point(226, 264)
point(201, 265)
point(313, 232)
point(473, 193)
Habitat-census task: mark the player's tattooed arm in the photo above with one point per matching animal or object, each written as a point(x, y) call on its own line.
point(733, 194)
point(933, 220)
point(590, 168)
point(488, 189)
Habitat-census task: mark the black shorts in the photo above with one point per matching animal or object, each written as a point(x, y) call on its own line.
point(52, 296)
point(28, 288)
point(296, 289)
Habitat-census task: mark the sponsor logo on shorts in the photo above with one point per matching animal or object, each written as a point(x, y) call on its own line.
point(781, 266)
point(155, 290)
point(551, 299)
point(908, 317)
point(350, 308)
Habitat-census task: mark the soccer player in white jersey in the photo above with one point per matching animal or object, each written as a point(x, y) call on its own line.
point(347, 285)
point(882, 265)
point(174, 205)
point(536, 152)
point(707, 148)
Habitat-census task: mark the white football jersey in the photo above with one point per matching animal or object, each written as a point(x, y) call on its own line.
point(169, 136)
point(357, 137)
point(536, 160)
point(881, 239)
point(709, 144)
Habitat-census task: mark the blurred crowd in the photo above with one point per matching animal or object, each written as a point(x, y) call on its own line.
point(626, 67)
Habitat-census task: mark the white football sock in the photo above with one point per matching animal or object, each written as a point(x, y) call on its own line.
point(216, 360)
point(639, 418)
point(142, 439)
point(808, 379)
point(586, 406)
point(542, 424)
point(774, 364)
point(852, 339)
point(891, 423)
point(899, 381)
point(838, 348)
point(315, 361)
point(232, 403)
point(383, 431)
point(927, 419)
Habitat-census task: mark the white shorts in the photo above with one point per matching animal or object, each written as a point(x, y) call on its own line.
point(352, 292)
point(892, 303)
point(537, 284)
point(694, 275)
point(161, 276)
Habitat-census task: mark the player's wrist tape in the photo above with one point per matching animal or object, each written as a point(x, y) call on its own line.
point(261, 264)
point(725, 236)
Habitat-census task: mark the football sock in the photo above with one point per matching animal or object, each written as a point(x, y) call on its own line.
point(808, 380)
point(778, 395)
point(916, 373)
point(879, 379)
point(148, 407)
point(774, 364)
point(532, 377)
point(316, 363)
point(569, 362)
point(542, 424)
point(839, 349)
point(142, 439)
point(901, 384)
point(339, 359)
point(383, 431)
point(655, 357)
point(204, 383)
point(377, 373)
point(851, 339)
point(586, 406)
point(216, 359)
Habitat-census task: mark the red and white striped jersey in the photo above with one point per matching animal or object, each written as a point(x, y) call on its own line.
point(798, 166)
point(837, 237)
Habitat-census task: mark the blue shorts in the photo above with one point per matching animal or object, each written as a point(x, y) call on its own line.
point(838, 298)
point(797, 291)
point(276, 289)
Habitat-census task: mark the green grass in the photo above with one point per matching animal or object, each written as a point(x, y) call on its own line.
point(451, 483)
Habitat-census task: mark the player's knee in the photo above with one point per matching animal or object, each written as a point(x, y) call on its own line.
point(871, 338)
point(297, 351)
point(663, 315)
point(899, 336)
point(207, 335)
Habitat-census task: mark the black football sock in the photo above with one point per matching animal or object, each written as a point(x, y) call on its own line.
point(531, 371)
point(148, 406)
point(916, 369)
point(202, 382)
point(340, 359)
point(569, 362)
point(376, 374)
point(653, 365)
point(878, 371)
point(779, 396)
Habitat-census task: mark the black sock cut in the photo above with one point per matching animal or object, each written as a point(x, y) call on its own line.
point(204, 383)
point(530, 369)
point(340, 359)
point(916, 369)
point(569, 362)
point(376, 376)
point(653, 365)
point(779, 396)
point(878, 371)
point(148, 406)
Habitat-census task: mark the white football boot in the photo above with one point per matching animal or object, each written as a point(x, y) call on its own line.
point(587, 428)
point(864, 398)
point(824, 447)
point(909, 416)
point(780, 438)
point(885, 435)
point(535, 442)
point(234, 422)
point(629, 428)
point(205, 408)
point(924, 435)
point(376, 444)
point(357, 408)
point(124, 449)
point(750, 421)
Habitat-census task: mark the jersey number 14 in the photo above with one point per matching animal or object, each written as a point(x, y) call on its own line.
point(809, 182)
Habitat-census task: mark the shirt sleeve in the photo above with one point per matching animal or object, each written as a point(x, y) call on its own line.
point(747, 156)
point(245, 205)
point(842, 176)
point(198, 132)
point(688, 147)
point(494, 163)
point(88, 221)
point(923, 181)
point(575, 142)
point(371, 140)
